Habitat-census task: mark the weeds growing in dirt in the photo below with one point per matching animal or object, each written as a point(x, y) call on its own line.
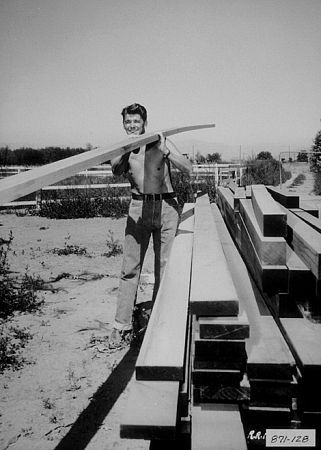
point(70, 249)
point(73, 380)
point(47, 403)
point(14, 295)
point(113, 246)
point(12, 340)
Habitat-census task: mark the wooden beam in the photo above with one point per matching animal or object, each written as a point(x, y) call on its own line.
point(212, 289)
point(271, 219)
point(305, 241)
point(161, 356)
point(225, 202)
point(224, 327)
point(217, 426)
point(24, 183)
point(268, 354)
point(286, 198)
point(185, 384)
point(304, 339)
point(301, 281)
point(309, 207)
point(271, 279)
point(152, 410)
point(270, 250)
point(308, 218)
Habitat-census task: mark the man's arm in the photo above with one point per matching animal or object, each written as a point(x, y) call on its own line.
point(119, 164)
point(180, 162)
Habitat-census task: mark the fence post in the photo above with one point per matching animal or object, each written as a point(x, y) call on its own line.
point(38, 199)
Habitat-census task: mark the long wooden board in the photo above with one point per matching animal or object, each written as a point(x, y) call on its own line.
point(270, 250)
point(286, 198)
point(271, 219)
point(268, 354)
point(161, 356)
point(304, 338)
point(152, 410)
point(24, 183)
point(271, 279)
point(301, 282)
point(217, 426)
point(212, 289)
point(308, 218)
point(305, 241)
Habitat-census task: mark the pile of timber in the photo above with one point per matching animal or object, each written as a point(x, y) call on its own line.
point(279, 239)
point(219, 330)
point(192, 359)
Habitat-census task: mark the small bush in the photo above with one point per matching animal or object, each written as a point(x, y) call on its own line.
point(75, 205)
point(12, 340)
point(113, 246)
point(317, 183)
point(15, 296)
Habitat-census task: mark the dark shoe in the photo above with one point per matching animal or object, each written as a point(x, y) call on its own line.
point(140, 319)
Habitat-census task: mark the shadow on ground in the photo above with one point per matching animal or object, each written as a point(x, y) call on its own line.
point(91, 419)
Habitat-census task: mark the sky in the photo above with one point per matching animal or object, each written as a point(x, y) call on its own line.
point(252, 67)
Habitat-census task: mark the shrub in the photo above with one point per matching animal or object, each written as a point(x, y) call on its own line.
point(81, 205)
point(187, 187)
point(16, 296)
point(113, 246)
point(12, 340)
point(317, 183)
point(264, 172)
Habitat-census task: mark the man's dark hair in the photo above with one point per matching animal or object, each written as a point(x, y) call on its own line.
point(135, 108)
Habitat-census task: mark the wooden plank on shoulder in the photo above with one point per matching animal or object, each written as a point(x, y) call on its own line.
point(161, 356)
point(212, 289)
point(152, 410)
point(25, 183)
point(271, 219)
point(270, 250)
point(217, 426)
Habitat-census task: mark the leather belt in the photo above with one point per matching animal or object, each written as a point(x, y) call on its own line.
point(152, 197)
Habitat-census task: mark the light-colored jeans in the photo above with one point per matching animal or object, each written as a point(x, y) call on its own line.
point(158, 218)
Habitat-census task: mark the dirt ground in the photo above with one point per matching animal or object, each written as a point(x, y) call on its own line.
point(71, 392)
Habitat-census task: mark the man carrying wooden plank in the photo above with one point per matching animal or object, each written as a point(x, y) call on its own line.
point(153, 211)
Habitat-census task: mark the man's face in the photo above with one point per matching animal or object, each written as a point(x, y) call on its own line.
point(134, 124)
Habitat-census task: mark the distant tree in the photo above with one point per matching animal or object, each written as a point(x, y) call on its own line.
point(7, 156)
point(264, 155)
point(264, 172)
point(213, 157)
point(315, 160)
point(302, 156)
point(199, 158)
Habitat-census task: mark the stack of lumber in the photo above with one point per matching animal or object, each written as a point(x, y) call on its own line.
point(259, 230)
point(302, 263)
point(219, 331)
point(153, 410)
point(270, 365)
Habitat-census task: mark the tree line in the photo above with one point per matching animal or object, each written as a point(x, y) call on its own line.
point(26, 156)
